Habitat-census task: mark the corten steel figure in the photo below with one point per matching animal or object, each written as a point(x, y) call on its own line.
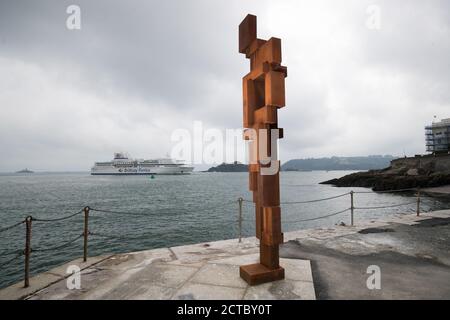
point(263, 91)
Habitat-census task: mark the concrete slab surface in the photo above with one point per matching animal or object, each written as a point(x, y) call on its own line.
point(42, 280)
point(412, 253)
point(210, 279)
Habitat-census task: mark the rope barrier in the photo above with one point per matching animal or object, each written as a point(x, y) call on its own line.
point(12, 226)
point(307, 201)
point(120, 237)
point(318, 218)
point(120, 212)
point(386, 191)
point(59, 246)
point(58, 219)
point(160, 212)
point(431, 194)
point(217, 206)
point(11, 260)
point(106, 236)
point(388, 206)
point(316, 200)
point(7, 253)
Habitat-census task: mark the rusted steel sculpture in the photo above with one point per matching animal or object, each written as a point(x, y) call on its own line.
point(263, 91)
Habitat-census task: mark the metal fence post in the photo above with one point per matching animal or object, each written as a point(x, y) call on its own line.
point(240, 200)
point(352, 207)
point(418, 201)
point(86, 232)
point(27, 251)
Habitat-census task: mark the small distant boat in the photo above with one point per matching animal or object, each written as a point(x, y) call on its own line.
point(26, 170)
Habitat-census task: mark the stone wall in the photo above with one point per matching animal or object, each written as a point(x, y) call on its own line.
point(438, 163)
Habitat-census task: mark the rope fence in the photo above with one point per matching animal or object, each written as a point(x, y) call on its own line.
point(388, 191)
point(11, 226)
point(164, 211)
point(318, 218)
point(114, 237)
point(309, 201)
point(17, 256)
point(67, 243)
point(58, 219)
point(352, 207)
point(387, 206)
point(88, 211)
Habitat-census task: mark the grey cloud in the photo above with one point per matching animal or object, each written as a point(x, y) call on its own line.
point(139, 69)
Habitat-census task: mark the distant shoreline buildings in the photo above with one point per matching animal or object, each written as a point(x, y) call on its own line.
point(437, 137)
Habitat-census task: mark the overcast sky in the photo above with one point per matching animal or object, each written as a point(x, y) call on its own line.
point(138, 70)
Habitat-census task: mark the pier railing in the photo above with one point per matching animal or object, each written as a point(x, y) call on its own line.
point(352, 208)
point(86, 232)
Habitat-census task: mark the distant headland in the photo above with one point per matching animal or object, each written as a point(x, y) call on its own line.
point(322, 164)
point(338, 163)
point(229, 167)
point(26, 170)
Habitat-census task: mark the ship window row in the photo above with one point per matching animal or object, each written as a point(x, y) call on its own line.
point(130, 164)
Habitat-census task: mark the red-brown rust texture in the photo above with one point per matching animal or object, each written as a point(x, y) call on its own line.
point(263, 94)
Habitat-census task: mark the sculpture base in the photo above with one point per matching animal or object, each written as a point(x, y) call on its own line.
point(257, 273)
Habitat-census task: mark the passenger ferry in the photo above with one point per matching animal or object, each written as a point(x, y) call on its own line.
point(123, 165)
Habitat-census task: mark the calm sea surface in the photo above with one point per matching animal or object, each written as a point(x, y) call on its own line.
point(160, 212)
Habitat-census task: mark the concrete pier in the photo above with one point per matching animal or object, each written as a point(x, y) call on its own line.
point(412, 252)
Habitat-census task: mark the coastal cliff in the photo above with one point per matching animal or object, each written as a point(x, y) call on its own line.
point(404, 173)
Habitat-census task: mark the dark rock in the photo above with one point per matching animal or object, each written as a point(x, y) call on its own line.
point(375, 230)
point(392, 179)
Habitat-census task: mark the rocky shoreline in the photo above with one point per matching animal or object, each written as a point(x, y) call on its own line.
point(385, 182)
point(423, 172)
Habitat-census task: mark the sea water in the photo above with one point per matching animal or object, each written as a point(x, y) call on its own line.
point(162, 212)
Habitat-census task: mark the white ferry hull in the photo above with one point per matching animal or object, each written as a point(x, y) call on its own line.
point(122, 165)
point(141, 171)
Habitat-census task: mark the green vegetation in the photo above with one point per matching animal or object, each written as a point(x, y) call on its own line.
point(229, 167)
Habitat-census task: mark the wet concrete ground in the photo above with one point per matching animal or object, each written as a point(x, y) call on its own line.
point(414, 260)
point(192, 272)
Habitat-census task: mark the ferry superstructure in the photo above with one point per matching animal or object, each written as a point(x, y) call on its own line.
point(122, 164)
